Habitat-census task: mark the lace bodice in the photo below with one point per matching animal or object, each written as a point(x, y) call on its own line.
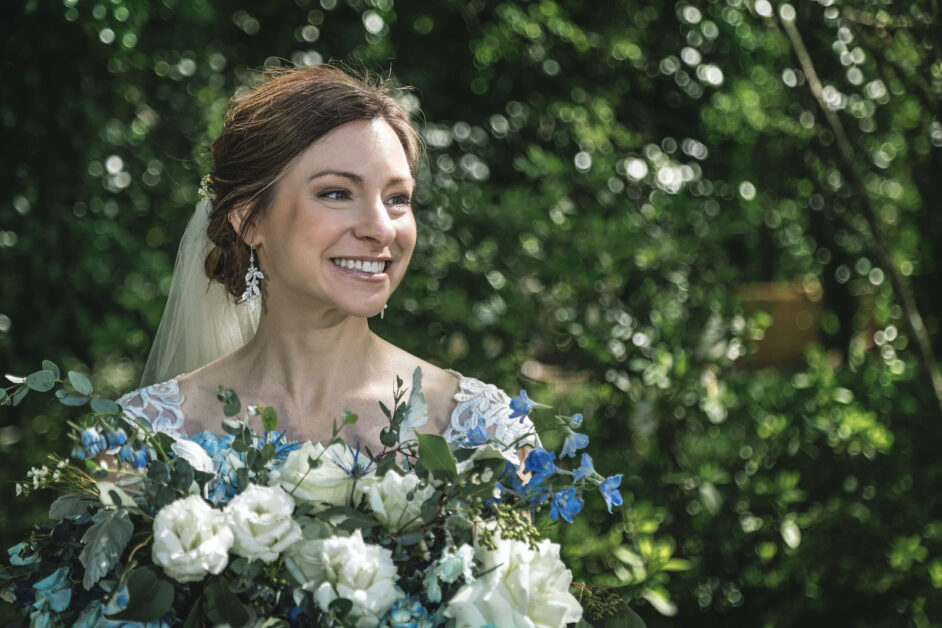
point(477, 403)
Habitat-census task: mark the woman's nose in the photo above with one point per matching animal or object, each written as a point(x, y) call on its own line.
point(376, 223)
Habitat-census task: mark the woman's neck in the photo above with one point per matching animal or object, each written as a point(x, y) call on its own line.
point(309, 359)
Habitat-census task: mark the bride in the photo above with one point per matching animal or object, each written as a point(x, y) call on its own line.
point(308, 222)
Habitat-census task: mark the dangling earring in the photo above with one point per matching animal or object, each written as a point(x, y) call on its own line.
point(251, 281)
point(382, 312)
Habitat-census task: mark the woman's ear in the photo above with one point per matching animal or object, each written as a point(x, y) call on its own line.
point(237, 216)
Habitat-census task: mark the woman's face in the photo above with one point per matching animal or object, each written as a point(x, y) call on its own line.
point(340, 231)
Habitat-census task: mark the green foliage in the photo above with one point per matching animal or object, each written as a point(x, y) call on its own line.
point(598, 183)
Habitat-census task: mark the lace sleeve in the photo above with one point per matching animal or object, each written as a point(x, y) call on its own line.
point(159, 404)
point(480, 403)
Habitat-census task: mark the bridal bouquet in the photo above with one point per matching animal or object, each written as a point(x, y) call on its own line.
point(249, 528)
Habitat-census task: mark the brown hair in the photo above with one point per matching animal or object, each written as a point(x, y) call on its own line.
point(266, 130)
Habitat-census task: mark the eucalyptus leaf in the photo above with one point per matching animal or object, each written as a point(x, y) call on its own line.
point(149, 597)
point(41, 381)
point(436, 456)
point(69, 506)
point(101, 405)
point(3, 396)
point(104, 543)
point(18, 394)
point(269, 419)
point(223, 607)
point(51, 366)
point(73, 399)
point(81, 383)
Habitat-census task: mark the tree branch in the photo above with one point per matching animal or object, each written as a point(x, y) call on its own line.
point(913, 319)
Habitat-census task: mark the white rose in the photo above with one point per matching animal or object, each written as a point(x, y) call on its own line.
point(191, 539)
point(330, 483)
point(260, 519)
point(388, 501)
point(346, 567)
point(520, 587)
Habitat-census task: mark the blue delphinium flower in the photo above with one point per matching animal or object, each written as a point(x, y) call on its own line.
point(116, 438)
point(407, 612)
point(609, 490)
point(93, 442)
point(78, 453)
point(521, 406)
point(541, 463)
point(585, 469)
point(119, 602)
point(18, 560)
point(575, 421)
point(477, 436)
point(140, 458)
point(126, 454)
point(566, 504)
point(54, 592)
point(573, 443)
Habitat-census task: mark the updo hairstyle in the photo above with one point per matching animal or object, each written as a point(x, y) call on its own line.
point(266, 131)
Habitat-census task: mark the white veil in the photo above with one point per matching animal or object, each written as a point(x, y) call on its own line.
point(201, 322)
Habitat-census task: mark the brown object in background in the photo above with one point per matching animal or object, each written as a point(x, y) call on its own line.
point(795, 308)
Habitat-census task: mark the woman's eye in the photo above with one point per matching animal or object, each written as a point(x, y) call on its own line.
point(335, 195)
point(400, 200)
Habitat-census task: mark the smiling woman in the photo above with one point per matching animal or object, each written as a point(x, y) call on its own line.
point(308, 209)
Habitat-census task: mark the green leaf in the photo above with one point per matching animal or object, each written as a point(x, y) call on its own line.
point(104, 543)
point(416, 412)
point(223, 607)
point(193, 617)
point(51, 366)
point(353, 519)
point(3, 396)
point(269, 419)
point(231, 404)
point(436, 456)
point(410, 539)
point(624, 618)
point(80, 383)
point(677, 564)
point(149, 597)
point(19, 393)
point(69, 506)
point(102, 405)
point(68, 398)
point(340, 607)
point(349, 418)
point(41, 381)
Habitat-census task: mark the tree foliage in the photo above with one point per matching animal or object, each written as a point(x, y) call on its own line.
point(599, 185)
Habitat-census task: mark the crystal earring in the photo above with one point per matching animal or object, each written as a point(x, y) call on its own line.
point(252, 275)
point(382, 312)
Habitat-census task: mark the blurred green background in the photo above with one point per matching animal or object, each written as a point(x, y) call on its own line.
point(707, 226)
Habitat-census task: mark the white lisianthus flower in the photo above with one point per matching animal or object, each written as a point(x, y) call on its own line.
point(346, 567)
point(331, 483)
point(261, 522)
point(521, 587)
point(388, 500)
point(191, 539)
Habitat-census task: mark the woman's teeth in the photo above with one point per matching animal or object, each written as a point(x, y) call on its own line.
point(365, 266)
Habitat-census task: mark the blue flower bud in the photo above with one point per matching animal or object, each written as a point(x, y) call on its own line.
point(78, 453)
point(575, 421)
point(140, 458)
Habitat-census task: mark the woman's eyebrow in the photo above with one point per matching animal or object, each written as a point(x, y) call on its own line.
point(358, 178)
point(337, 173)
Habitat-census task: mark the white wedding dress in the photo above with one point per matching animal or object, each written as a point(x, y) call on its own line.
point(477, 403)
